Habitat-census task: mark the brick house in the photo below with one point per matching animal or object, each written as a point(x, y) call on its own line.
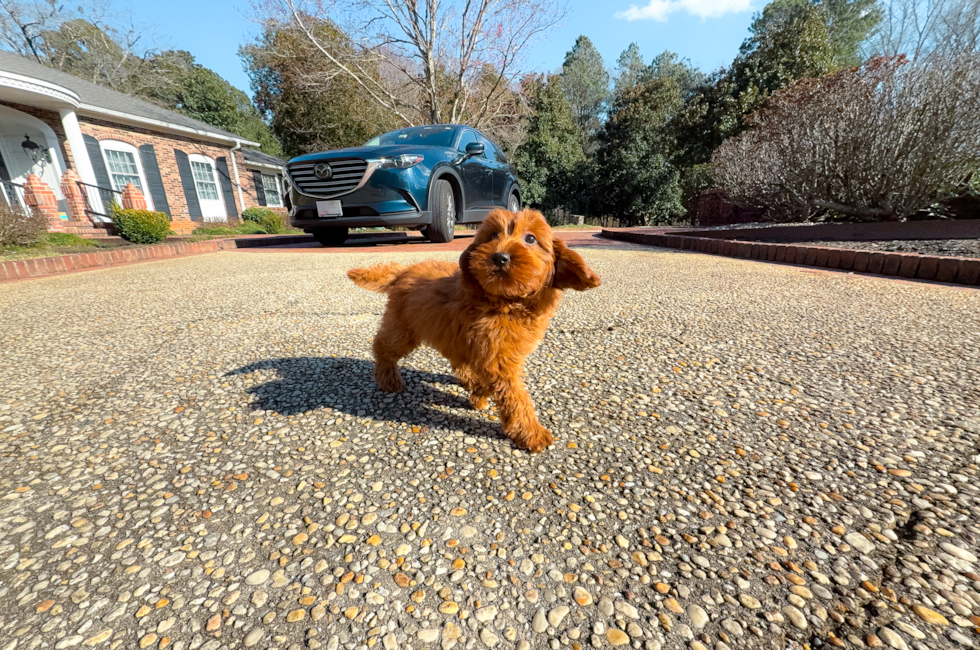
point(64, 132)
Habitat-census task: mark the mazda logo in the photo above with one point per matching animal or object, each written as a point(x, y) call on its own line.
point(323, 171)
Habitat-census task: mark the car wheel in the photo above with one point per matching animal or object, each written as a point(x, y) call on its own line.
point(514, 202)
point(330, 236)
point(440, 231)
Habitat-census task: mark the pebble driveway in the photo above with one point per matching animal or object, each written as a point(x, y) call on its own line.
point(193, 455)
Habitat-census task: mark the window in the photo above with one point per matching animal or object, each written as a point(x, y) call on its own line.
point(467, 137)
point(492, 152)
point(124, 165)
point(437, 135)
point(123, 169)
point(207, 189)
point(206, 184)
point(271, 186)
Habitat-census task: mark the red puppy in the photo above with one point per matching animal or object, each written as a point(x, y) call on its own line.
point(485, 315)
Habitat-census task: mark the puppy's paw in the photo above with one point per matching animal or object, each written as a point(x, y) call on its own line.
point(478, 402)
point(389, 380)
point(537, 440)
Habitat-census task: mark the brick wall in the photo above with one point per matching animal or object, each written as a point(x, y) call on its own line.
point(164, 145)
point(52, 119)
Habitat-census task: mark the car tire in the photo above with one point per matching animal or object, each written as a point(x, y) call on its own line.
point(330, 236)
point(443, 203)
point(514, 202)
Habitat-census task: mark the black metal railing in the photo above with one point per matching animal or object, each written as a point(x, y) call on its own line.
point(99, 201)
point(13, 193)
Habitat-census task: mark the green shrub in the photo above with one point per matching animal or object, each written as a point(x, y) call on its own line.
point(251, 228)
point(141, 226)
point(20, 226)
point(270, 220)
point(256, 215)
point(274, 224)
point(67, 239)
point(215, 231)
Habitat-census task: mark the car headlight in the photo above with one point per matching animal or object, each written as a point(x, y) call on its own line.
point(403, 161)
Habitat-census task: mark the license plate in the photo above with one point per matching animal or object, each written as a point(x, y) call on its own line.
point(329, 209)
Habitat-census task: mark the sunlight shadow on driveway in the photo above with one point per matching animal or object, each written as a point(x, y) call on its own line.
point(347, 385)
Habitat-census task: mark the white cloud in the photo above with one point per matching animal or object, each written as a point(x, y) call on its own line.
point(660, 9)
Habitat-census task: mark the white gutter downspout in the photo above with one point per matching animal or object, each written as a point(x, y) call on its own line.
point(234, 165)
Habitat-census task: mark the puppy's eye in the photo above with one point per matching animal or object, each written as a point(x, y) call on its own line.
point(495, 235)
point(530, 240)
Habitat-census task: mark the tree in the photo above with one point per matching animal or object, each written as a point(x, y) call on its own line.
point(876, 143)
point(91, 49)
point(307, 109)
point(22, 23)
point(667, 65)
point(586, 84)
point(849, 23)
point(552, 149)
point(639, 182)
point(789, 41)
point(425, 62)
point(201, 93)
point(917, 28)
point(631, 68)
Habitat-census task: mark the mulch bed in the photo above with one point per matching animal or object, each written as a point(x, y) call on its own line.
point(946, 247)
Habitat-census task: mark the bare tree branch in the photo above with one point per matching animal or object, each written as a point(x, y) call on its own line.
point(880, 142)
point(439, 60)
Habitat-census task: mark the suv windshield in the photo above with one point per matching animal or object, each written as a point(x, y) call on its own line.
point(438, 135)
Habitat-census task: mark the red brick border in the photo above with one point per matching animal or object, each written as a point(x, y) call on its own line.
point(47, 266)
point(934, 268)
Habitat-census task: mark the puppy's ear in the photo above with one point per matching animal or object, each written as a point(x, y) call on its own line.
point(571, 271)
point(464, 266)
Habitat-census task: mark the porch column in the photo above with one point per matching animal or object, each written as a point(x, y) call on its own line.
point(78, 149)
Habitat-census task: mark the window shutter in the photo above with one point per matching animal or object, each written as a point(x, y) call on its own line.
point(221, 166)
point(259, 187)
point(187, 181)
point(98, 162)
point(153, 179)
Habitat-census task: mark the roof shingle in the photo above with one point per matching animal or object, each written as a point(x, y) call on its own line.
point(97, 97)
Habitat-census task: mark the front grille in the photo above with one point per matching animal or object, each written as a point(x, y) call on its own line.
point(346, 176)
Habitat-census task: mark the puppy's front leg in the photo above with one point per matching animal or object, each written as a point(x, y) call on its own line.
point(391, 344)
point(473, 384)
point(518, 417)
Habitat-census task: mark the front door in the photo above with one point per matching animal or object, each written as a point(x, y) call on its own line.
point(477, 181)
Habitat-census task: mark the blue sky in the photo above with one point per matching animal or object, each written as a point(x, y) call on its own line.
point(708, 32)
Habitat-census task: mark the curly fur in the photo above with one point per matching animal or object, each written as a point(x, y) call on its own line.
point(484, 318)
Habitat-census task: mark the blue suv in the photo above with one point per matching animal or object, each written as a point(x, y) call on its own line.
point(426, 177)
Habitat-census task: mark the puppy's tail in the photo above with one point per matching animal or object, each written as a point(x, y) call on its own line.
point(376, 278)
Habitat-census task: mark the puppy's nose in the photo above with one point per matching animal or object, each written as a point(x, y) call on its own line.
point(500, 259)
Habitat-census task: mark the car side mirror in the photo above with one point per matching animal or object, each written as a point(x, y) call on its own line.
point(475, 149)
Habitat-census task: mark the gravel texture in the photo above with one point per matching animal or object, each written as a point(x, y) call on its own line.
point(950, 247)
point(193, 455)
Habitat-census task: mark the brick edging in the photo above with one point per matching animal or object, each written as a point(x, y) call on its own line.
point(47, 266)
point(934, 268)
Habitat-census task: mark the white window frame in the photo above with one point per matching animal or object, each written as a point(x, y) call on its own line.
point(278, 184)
point(212, 213)
point(119, 145)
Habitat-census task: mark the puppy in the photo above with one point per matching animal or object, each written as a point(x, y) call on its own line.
point(485, 315)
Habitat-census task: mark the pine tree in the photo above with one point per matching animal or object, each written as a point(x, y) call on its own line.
point(670, 66)
point(631, 68)
point(586, 84)
point(640, 184)
point(553, 147)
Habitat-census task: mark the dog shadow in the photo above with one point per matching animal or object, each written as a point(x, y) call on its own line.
point(347, 385)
